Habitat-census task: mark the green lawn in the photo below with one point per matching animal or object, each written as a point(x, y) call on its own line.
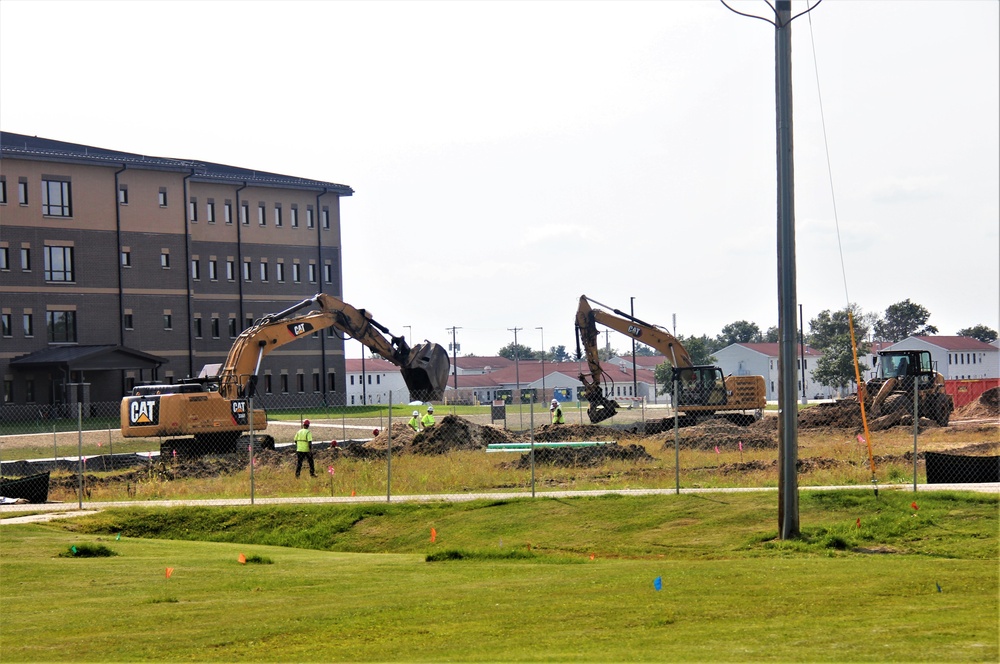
point(521, 580)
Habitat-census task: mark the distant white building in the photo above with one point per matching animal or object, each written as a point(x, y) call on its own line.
point(761, 359)
point(956, 358)
point(372, 380)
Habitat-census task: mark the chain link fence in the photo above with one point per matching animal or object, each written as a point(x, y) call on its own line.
point(207, 447)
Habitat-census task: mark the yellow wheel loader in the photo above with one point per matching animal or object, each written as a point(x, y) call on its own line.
point(890, 393)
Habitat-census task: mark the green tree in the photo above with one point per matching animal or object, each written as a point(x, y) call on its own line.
point(772, 335)
point(642, 350)
point(516, 351)
point(739, 332)
point(902, 320)
point(830, 334)
point(981, 332)
point(558, 354)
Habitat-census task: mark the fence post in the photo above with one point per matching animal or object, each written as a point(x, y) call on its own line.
point(532, 438)
point(79, 455)
point(252, 487)
point(388, 455)
point(55, 447)
point(916, 427)
point(677, 441)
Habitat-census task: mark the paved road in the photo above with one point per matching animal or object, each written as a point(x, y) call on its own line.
point(49, 511)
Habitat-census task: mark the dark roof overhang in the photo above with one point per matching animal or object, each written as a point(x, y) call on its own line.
point(87, 358)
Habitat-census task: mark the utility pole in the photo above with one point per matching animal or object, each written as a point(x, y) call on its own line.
point(542, 330)
point(454, 357)
point(517, 372)
point(635, 379)
point(364, 388)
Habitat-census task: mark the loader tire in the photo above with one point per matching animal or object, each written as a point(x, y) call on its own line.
point(939, 408)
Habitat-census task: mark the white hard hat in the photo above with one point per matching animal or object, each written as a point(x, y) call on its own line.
point(555, 402)
point(430, 409)
point(416, 413)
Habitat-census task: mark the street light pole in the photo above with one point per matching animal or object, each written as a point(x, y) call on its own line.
point(454, 357)
point(542, 330)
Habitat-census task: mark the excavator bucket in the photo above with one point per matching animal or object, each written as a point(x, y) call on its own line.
point(426, 371)
point(601, 409)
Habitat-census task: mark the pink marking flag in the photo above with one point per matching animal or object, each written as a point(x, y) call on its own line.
point(329, 469)
point(861, 439)
point(741, 446)
point(716, 449)
point(99, 443)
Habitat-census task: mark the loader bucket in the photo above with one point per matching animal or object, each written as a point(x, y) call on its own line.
point(426, 371)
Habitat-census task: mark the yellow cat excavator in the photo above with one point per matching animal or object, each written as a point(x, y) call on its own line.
point(212, 413)
point(702, 390)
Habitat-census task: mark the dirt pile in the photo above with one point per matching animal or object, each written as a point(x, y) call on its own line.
point(560, 433)
point(451, 433)
point(582, 457)
point(842, 414)
point(987, 405)
point(723, 434)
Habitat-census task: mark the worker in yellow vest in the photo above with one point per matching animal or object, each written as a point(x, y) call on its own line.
point(557, 414)
point(414, 422)
point(303, 449)
point(427, 421)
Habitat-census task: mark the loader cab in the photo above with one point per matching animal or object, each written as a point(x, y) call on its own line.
point(900, 363)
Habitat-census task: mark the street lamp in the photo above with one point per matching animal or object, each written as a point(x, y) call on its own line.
point(635, 379)
point(542, 330)
point(517, 374)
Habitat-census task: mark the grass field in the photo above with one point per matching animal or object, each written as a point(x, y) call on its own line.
point(885, 579)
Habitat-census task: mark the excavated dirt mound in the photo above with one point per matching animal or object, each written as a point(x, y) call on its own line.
point(451, 433)
point(581, 457)
point(987, 405)
point(723, 434)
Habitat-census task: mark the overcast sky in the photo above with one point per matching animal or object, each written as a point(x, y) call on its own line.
point(508, 157)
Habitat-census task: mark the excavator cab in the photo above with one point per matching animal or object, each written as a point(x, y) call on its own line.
point(425, 371)
point(700, 386)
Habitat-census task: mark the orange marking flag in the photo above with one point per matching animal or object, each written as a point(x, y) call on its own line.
point(243, 559)
point(170, 570)
point(434, 535)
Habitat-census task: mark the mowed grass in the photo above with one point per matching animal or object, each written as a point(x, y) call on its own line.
point(518, 580)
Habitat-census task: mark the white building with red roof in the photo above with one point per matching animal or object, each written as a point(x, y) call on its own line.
point(957, 358)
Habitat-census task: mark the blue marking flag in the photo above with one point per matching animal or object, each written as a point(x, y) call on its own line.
point(938, 586)
point(658, 583)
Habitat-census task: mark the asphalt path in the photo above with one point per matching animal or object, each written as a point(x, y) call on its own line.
point(33, 513)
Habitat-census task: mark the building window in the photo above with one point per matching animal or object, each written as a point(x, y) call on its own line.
point(267, 384)
point(246, 271)
point(210, 211)
point(215, 327)
point(279, 272)
point(165, 259)
point(230, 270)
point(249, 322)
point(163, 197)
point(22, 191)
point(245, 214)
point(29, 390)
point(128, 322)
point(59, 264)
point(3, 190)
point(296, 273)
point(261, 214)
point(284, 383)
point(312, 273)
point(28, 324)
point(193, 209)
point(197, 327)
point(195, 269)
point(310, 221)
point(295, 216)
point(213, 270)
point(263, 271)
point(233, 332)
point(227, 212)
point(332, 381)
point(56, 201)
point(7, 324)
point(328, 273)
point(8, 391)
point(4, 258)
point(277, 214)
point(61, 326)
point(315, 382)
point(300, 382)
point(126, 258)
point(26, 259)
point(168, 321)
point(123, 194)
point(326, 218)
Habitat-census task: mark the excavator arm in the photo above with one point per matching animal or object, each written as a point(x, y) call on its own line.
point(425, 367)
point(587, 318)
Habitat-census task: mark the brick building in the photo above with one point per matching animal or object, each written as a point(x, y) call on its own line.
point(118, 268)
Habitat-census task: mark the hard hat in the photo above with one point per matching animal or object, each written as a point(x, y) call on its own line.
point(555, 402)
point(305, 423)
point(430, 409)
point(416, 414)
